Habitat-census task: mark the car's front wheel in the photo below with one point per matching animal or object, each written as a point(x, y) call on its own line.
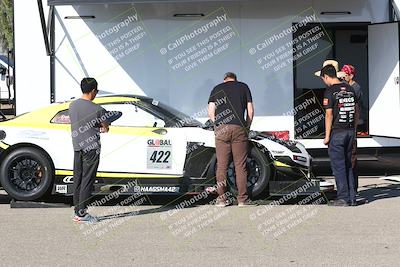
point(259, 172)
point(26, 174)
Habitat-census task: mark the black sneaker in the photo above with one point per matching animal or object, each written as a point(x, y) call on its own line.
point(338, 203)
point(353, 203)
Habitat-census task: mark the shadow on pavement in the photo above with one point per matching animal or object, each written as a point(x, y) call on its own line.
point(4, 198)
point(374, 192)
point(166, 202)
point(370, 193)
point(135, 213)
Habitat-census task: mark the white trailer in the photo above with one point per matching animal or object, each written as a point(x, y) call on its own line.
point(177, 51)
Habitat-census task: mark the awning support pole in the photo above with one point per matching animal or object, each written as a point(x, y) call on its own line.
point(394, 11)
point(45, 29)
point(48, 36)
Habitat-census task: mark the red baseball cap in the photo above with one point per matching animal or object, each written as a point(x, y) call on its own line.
point(349, 69)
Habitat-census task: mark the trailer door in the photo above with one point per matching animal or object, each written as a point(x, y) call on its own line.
point(384, 90)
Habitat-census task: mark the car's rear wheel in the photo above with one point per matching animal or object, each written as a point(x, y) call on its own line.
point(26, 174)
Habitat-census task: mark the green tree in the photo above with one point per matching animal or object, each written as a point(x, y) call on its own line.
point(6, 20)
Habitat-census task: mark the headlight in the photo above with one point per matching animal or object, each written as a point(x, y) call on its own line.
point(300, 158)
point(291, 145)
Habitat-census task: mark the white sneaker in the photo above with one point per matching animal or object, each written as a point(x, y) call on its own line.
point(86, 219)
point(220, 204)
point(246, 203)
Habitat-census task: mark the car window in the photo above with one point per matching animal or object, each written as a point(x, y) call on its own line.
point(61, 117)
point(133, 116)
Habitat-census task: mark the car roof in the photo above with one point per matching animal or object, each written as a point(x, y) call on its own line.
point(141, 97)
point(45, 114)
point(121, 98)
point(110, 98)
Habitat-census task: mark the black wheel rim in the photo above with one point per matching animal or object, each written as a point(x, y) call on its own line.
point(253, 173)
point(26, 174)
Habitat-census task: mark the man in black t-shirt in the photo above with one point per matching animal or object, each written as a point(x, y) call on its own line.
point(227, 105)
point(340, 103)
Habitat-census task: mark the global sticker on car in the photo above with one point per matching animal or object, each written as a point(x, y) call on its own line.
point(159, 154)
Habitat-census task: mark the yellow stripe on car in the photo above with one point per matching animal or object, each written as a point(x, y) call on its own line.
point(3, 145)
point(134, 131)
point(120, 175)
point(280, 164)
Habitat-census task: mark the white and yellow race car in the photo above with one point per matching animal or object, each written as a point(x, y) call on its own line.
point(151, 148)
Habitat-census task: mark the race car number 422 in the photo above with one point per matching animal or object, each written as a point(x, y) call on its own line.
point(159, 155)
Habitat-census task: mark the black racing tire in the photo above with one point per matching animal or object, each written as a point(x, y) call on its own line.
point(27, 174)
point(259, 172)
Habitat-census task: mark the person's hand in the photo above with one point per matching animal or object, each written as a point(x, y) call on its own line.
point(104, 129)
point(326, 140)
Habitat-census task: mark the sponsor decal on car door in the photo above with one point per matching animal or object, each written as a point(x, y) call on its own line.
point(143, 150)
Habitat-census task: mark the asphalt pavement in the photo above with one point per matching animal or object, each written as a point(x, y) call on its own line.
point(152, 232)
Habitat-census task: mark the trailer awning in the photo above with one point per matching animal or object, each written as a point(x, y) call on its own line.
point(88, 2)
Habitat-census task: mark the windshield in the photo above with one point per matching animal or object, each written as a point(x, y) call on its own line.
point(175, 118)
point(182, 118)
